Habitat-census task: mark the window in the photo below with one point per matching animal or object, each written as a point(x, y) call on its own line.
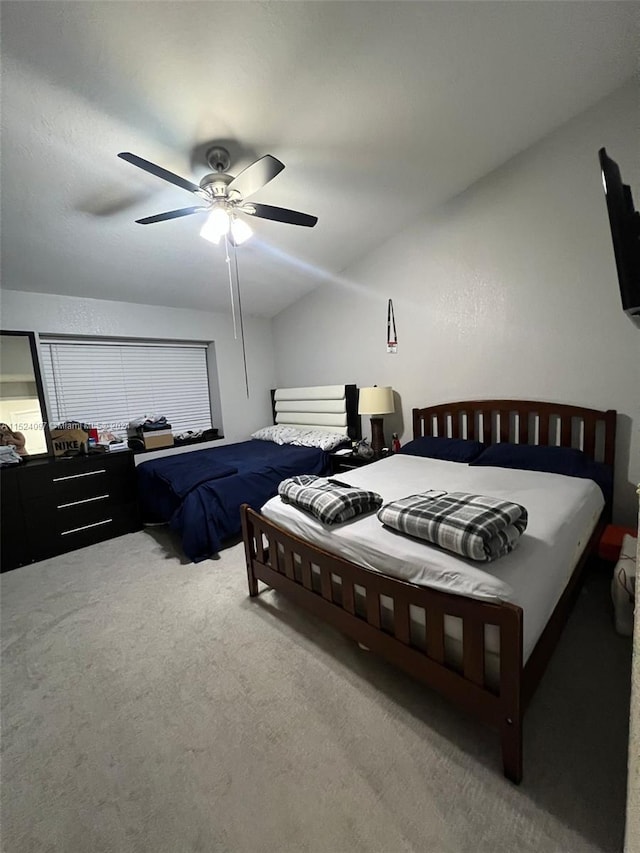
point(110, 383)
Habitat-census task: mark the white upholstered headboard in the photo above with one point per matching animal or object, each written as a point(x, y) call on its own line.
point(327, 407)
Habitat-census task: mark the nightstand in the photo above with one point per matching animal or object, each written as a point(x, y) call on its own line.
point(348, 462)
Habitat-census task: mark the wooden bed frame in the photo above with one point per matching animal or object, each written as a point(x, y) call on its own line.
point(284, 561)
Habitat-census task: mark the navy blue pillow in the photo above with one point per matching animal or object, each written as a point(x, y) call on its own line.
point(602, 475)
point(529, 457)
point(553, 460)
point(450, 449)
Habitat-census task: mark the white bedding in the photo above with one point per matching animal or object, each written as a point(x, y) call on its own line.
point(562, 511)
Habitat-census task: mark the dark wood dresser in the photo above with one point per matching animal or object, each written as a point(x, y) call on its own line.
point(50, 506)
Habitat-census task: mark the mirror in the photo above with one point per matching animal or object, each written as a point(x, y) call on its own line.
point(23, 419)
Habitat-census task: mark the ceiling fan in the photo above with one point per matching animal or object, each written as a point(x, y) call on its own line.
point(224, 196)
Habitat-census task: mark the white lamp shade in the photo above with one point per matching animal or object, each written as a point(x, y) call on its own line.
point(376, 401)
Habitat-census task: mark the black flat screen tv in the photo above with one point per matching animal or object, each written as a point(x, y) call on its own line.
point(625, 234)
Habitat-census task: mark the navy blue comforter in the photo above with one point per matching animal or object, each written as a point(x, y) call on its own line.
point(200, 493)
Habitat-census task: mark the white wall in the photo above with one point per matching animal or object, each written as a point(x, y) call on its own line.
point(50, 314)
point(509, 290)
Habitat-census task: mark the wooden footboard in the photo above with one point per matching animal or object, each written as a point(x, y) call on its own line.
point(349, 597)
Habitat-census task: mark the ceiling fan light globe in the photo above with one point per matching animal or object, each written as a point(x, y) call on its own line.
point(211, 236)
point(216, 226)
point(240, 231)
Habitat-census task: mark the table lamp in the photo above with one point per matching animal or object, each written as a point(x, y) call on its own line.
point(376, 401)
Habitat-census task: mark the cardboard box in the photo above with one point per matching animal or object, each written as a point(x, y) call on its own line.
point(68, 440)
point(135, 431)
point(156, 440)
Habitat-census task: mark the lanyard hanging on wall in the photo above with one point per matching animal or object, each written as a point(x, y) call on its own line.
point(392, 336)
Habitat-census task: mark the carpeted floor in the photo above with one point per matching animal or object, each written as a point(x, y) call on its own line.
point(149, 705)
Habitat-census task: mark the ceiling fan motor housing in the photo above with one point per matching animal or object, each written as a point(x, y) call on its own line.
point(216, 183)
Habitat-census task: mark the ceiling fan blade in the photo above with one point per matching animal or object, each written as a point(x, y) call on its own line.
point(280, 214)
point(159, 172)
point(255, 176)
point(170, 214)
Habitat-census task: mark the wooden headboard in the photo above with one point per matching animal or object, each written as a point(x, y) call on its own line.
point(522, 422)
point(328, 407)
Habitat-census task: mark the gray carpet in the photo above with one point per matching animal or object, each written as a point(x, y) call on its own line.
point(149, 705)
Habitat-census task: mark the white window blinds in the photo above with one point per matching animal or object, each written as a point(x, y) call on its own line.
point(110, 383)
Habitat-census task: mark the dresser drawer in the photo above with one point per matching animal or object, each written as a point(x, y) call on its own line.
point(63, 532)
point(41, 515)
point(78, 479)
point(98, 485)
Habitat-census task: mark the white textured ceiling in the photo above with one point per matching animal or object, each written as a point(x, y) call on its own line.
point(380, 111)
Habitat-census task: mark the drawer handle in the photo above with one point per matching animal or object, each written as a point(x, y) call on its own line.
point(86, 527)
point(85, 501)
point(77, 476)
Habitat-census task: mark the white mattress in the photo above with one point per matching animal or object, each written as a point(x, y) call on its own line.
point(563, 512)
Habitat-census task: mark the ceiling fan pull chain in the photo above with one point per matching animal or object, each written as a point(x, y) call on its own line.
point(244, 349)
point(233, 305)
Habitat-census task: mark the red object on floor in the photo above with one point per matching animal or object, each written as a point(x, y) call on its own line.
point(611, 541)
